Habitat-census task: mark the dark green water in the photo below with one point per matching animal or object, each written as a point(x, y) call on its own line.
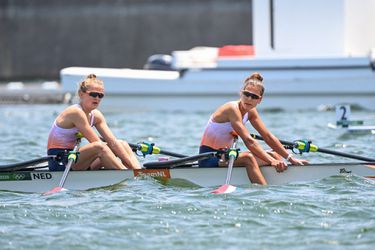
point(333, 213)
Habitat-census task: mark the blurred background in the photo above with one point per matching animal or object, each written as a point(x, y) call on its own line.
point(39, 38)
point(311, 52)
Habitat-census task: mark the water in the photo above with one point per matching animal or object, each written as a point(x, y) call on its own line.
point(333, 213)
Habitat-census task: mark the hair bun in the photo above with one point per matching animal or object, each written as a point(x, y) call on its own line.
point(91, 76)
point(88, 81)
point(256, 76)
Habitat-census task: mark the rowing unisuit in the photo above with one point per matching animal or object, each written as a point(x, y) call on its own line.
point(65, 137)
point(61, 141)
point(218, 135)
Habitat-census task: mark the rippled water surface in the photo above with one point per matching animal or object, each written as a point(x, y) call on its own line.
point(333, 213)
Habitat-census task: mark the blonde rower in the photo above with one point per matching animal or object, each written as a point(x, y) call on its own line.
point(82, 118)
point(232, 116)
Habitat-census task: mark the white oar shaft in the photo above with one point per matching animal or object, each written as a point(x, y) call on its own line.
point(72, 157)
point(231, 162)
point(69, 165)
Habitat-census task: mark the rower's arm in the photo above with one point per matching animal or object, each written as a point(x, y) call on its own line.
point(255, 148)
point(103, 129)
point(268, 137)
point(272, 141)
point(275, 144)
point(79, 120)
point(113, 143)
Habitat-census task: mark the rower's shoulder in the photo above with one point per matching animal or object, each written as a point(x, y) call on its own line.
point(73, 112)
point(230, 105)
point(75, 109)
point(227, 110)
point(96, 112)
point(98, 115)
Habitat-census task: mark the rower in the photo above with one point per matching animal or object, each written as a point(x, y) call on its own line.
point(231, 117)
point(83, 117)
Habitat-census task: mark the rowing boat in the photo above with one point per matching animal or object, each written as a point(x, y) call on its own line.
point(40, 179)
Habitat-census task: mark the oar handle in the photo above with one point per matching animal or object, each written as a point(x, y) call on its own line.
point(150, 148)
point(147, 148)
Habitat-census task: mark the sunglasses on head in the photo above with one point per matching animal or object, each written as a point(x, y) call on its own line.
point(96, 94)
point(251, 95)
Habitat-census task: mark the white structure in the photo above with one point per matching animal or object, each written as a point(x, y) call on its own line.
point(310, 52)
point(320, 28)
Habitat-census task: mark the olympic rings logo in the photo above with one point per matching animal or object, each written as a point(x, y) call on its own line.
point(19, 176)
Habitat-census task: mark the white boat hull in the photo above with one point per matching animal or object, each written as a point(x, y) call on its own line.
point(40, 181)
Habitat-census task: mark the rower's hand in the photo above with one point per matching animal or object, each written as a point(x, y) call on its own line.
point(280, 166)
point(299, 162)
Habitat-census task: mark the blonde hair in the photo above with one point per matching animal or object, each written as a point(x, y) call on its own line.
point(88, 81)
point(255, 80)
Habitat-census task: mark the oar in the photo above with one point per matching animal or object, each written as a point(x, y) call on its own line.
point(71, 158)
point(227, 188)
point(24, 164)
point(178, 162)
point(308, 147)
point(150, 148)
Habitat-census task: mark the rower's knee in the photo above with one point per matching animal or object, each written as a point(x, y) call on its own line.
point(250, 159)
point(101, 148)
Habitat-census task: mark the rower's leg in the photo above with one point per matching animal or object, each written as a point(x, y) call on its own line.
point(89, 152)
point(131, 160)
point(253, 171)
point(96, 165)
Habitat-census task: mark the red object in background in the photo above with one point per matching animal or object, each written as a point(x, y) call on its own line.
point(237, 50)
